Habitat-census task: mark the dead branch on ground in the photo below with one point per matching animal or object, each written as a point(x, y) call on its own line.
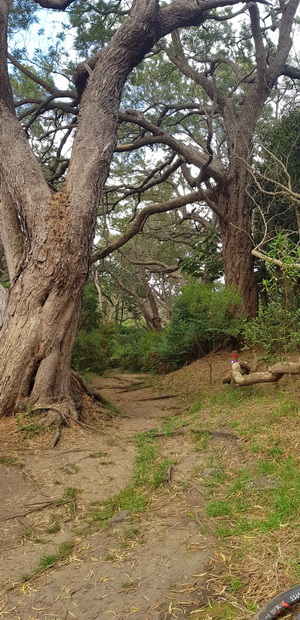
point(272, 375)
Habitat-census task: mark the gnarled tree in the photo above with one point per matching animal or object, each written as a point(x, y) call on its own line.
point(47, 237)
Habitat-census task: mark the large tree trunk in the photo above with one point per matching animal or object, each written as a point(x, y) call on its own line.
point(151, 314)
point(50, 271)
point(236, 238)
point(235, 204)
point(41, 320)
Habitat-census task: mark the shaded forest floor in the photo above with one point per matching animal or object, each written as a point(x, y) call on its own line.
point(185, 504)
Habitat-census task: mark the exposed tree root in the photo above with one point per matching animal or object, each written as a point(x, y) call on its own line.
point(88, 388)
point(56, 438)
point(74, 410)
point(140, 400)
point(56, 415)
point(36, 508)
point(133, 388)
point(39, 506)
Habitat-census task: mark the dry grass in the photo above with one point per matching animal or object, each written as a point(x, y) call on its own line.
point(257, 528)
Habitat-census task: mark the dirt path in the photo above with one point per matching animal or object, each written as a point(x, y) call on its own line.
point(143, 565)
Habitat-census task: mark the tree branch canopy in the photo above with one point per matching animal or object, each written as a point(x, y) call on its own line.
point(284, 42)
point(141, 219)
point(291, 72)
point(190, 153)
point(178, 14)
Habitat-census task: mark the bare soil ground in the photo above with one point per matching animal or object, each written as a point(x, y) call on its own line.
point(140, 565)
point(165, 562)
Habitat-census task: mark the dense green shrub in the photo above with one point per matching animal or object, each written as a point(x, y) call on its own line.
point(203, 320)
point(275, 329)
point(89, 314)
point(95, 340)
point(93, 349)
point(135, 349)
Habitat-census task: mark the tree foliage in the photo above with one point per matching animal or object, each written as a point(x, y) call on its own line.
point(95, 341)
point(203, 320)
point(278, 180)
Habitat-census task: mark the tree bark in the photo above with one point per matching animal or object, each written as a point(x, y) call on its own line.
point(43, 307)
point(3, 302)
point(41, 319)
point(236, 239)
point(235, 202)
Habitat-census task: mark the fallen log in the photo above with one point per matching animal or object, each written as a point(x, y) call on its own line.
point(286, 368)
point(272, 375)
point(254, 377)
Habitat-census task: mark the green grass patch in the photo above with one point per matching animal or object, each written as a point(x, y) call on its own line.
point(169, 426)
point(252, 489)
point(261, 499)
point(201, 438)
point(130, 498)
point(234, 396)
point(70, 495)
point(285, 408)
point(47, 561)
point(218, 508)
point(235, 583)
point(149, 474)
point(197, 404)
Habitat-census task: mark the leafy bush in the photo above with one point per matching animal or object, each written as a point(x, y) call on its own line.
point(275, 329)
point(135, 349)
point(203, 320)
point(89, 314)
point(95, 339)
point(93, 349)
